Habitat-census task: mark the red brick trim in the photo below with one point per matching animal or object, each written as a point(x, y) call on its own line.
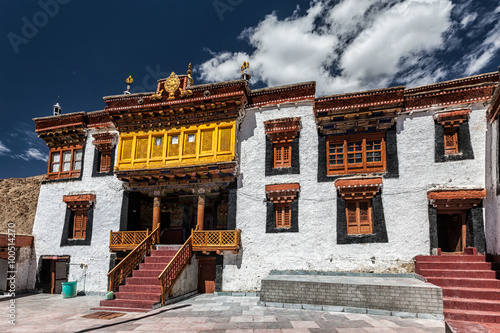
point(281, 193)
point(104, 141)
point(282, 130)
point(79, 201)
point(358, 188)
point(452, 118)
point(21, 240)
point(456, 199)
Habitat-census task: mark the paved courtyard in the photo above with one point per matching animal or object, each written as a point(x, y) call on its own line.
point(201, 313)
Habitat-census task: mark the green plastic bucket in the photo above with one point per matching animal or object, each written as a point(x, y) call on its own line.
point(69, 289)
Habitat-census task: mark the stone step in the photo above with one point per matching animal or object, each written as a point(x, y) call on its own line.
point(167, 247)
point(137, 288)
point(452, 258)
point(479, 274)
point(453, 303)
point(134, 304)
point(147, 273)
point(464, 282)
point(118, 309)
point(163, 253)
point(475, 266)
point(154, 297)
point(152, 266)
point(143, 281)
point(164, 260)
point(468, 315)
point(472, 293)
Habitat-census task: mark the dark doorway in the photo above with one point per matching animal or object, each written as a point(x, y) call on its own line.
point(206, 275)
point(451, 231)
point(53, 271)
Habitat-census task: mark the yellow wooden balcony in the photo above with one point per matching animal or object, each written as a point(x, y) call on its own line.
point(126, 240)
point(216, 240)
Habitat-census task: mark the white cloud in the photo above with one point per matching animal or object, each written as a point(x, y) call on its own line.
point(483, 55)
point(353, 45)
point(3, 149)
point(33, 153)
point(468, 18)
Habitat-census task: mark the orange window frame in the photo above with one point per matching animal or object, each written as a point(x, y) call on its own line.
point(451, 141)
point(282, 155)
point(356, 154)
point(72, 172)
point(359, 217)
point(283, 215)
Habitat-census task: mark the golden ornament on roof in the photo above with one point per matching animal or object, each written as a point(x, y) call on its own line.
point(245, 66)
point(129, 80)
point(172, 83)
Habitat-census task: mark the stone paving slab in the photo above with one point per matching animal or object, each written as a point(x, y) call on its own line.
point(226, 314)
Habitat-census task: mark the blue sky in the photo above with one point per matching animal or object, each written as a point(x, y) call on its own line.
point(84, 50)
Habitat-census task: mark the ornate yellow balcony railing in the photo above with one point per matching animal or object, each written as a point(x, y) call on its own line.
point(216, 240)
point(126, 240)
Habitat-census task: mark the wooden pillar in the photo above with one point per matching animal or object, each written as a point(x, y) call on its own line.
point(201, 212)
point(156, 214)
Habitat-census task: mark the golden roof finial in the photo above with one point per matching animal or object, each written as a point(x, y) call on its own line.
point(245, 66)
point(129, 81)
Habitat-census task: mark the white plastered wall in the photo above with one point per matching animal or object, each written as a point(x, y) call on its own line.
point(89, 264)
point(492, 200)
point(314, 247)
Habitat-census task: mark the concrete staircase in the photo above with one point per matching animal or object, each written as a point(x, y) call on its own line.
point(141, 292)
point(471, 289)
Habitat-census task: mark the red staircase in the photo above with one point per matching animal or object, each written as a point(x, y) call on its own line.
point(141, 292)
point(471, 289)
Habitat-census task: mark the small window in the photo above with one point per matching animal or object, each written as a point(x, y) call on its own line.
point(80, 224)
point(77, 161)
point(174, 140)
point(105, 162)
point(158, 141)
point(282, 155)
point(56, 159)
point(451, 141)
point(191, 138)
point(359, 217)
point(282, 214)
point(65, 162)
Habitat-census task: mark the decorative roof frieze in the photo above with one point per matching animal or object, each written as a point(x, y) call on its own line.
point(283, 129)
point(358, 188)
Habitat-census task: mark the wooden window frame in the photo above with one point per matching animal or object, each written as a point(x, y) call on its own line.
point(357, 227)
point(361, 167)
point(79, 228)
point(282, 155)
point(451, 141)
point(283, 215)
point(72, 172)
point(105, 161)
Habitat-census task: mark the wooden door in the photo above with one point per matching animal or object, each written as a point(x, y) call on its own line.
point(455, 231)
point(206, 275)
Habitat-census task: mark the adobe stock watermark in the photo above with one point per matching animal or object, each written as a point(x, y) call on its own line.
point(30, 28)
point(11, 272)
point(149, 81)
point(222, 6)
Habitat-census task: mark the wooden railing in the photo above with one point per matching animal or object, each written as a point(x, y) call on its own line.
point(126, 240)
point(216, 240)
point(174, 269)
point(130, 262)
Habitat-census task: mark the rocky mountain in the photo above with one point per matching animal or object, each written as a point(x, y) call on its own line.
point(18, 201)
